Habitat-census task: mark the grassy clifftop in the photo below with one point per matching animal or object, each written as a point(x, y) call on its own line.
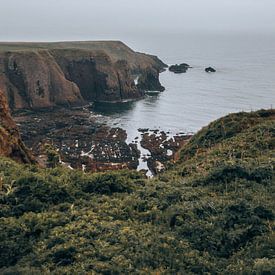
point(212, 212)
point(115, 49)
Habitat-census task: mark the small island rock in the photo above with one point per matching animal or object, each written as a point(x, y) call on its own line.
point(178, 69)
point(210, 70)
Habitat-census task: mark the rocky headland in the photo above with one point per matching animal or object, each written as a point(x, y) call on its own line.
point(41, 80)
point(43, 75)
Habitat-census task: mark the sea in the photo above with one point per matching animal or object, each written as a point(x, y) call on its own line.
point(244, 81)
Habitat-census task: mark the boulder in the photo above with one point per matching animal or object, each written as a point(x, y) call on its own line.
point(210, 70)
point(178, 69)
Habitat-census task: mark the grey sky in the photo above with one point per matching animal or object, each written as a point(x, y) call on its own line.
point(114, 19)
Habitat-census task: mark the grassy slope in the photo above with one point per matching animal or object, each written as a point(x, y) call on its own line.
point(212, 212)
point(87, 45)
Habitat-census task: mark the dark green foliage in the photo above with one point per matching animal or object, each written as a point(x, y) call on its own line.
point(14, 243)
point(52, 155)
point(231, 173)
point(234, 226)
point(211, 213)
point(225, 128)
point(108, 184)
point(33, 194)
point(64, 256)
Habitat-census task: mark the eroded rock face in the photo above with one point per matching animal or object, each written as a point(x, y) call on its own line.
point(34, 80)
point(97, 76)
point(11, 144)
point(149, 81)
point(35, 76)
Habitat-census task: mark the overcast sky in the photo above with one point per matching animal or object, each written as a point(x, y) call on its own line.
point(114, 19)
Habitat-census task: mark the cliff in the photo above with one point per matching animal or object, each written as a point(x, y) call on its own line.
point(39, 75)
point(11, 144)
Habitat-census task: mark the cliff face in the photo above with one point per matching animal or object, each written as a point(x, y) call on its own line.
point(45, 75)
point(11, 144)
point(149, 81)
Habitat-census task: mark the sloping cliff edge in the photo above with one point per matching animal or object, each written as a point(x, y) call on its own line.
point(11, 144)
point(42, 75)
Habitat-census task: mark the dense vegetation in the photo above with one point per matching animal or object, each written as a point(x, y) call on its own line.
point(210, 213)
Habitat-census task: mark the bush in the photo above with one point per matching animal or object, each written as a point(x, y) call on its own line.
point(110, 183)
point(64, 256)
point(34, 194)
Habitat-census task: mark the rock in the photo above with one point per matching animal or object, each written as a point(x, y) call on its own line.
point(143, 130)
point(210, 70)
point(11, 144)
point(79, 139)
point(37, 75)
point(149, 81)
point(178, 69)
point(162, 149)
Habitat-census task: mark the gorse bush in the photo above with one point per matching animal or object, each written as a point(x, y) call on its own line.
point(111, 183)
point(226, 128)
point(210, 213)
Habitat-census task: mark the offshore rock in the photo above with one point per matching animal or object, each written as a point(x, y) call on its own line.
point(178, 69)
point(210, 70)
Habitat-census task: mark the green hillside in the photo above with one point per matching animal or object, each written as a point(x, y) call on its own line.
point(210, 213)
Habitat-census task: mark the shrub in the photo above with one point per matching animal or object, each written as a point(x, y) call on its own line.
point(64, 256)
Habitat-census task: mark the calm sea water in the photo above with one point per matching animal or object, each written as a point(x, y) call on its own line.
point(245, 80)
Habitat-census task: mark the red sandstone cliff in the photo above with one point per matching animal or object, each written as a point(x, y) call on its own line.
point(11, 144)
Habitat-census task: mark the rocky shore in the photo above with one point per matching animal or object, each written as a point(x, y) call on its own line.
point(81, 142)
point(163, 148)
point(43, 82)
point(78, 139)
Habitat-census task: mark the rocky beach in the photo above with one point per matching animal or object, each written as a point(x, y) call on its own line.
point(82, 142)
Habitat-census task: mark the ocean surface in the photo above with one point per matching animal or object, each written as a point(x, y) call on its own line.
point(244, 81)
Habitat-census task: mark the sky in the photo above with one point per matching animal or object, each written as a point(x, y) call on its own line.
point(56, 20)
